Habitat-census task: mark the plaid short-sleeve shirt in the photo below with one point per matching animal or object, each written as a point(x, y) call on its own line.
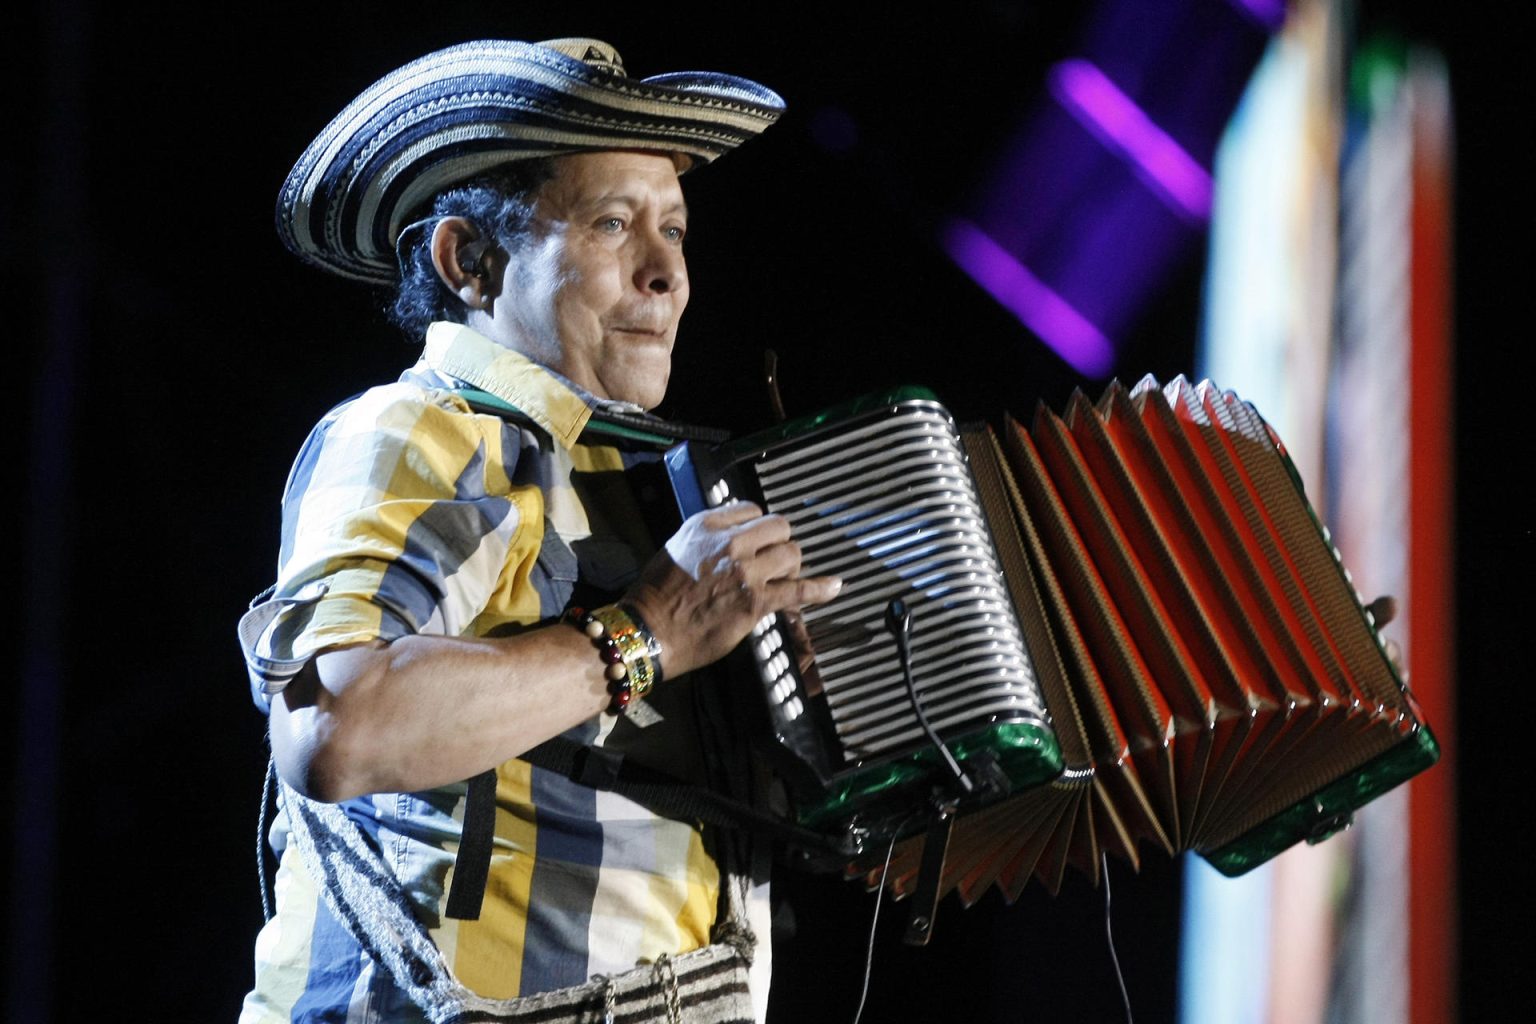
point(424, 515)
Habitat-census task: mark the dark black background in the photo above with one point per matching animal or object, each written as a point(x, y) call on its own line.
point(175, 356)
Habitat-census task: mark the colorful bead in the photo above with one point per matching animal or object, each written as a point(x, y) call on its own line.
point(630, 652)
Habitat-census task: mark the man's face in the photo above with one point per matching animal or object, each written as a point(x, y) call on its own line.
point(597, 291)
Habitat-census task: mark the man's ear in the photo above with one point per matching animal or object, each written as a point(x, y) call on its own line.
point(463, 258)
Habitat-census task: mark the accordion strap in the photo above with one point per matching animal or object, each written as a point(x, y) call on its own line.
point(472, 865)
point(609, 425)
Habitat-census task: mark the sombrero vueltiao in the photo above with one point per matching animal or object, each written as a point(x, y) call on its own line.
point(455, 113)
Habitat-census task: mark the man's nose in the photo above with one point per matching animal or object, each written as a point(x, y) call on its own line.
point(662, 268)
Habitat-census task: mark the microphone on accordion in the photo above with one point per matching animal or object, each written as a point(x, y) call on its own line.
point(1118, 627)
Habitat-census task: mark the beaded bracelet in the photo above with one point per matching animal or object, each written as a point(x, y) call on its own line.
point(628, 648)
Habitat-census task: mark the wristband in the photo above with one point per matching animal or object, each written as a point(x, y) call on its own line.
point(630, 651)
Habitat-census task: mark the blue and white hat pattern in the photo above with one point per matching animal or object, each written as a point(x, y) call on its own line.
point(458, 112)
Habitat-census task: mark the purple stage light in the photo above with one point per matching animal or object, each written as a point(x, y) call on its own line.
point(1070, 334)
point(1114, 118)
point(1079, 220)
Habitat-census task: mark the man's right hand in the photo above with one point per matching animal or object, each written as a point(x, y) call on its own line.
point(722, 571)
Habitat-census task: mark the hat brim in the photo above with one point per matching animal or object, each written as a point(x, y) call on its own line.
point(456, 113)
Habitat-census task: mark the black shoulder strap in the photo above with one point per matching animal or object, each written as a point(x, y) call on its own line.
point(472, 866)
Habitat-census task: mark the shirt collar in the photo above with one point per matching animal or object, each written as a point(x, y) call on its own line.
point(542, 395)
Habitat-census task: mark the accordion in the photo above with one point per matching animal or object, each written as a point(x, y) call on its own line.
point(1120, 627)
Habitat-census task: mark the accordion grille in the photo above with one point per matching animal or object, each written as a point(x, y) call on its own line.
point(890, 506)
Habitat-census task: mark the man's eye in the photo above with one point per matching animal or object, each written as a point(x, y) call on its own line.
point(675, 234)
point(611, 225)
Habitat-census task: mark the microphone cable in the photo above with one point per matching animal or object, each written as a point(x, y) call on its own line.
point(1125, 996)
point(869, 952)
point(898, 619)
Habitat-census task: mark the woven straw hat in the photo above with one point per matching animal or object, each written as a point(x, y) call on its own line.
point(456, 113)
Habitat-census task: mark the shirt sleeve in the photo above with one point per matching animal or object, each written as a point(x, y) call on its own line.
point(401, 510)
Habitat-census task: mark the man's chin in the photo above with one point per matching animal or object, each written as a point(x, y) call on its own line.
point(641, 382)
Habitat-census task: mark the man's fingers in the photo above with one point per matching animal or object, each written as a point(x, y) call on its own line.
point(1383, 610)
point(775, 561)
point(1395, 655)
point(714, 535)
point(819, 589)
point(757, 534)
point(733, 513)
point(810, 590)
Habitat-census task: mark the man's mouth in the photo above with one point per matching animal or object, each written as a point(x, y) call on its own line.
point(641, 330)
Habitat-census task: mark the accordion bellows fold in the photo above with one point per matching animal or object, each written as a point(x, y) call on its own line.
point(1204, 673)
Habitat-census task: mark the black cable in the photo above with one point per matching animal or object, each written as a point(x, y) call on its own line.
point(898, 619)
point(1125, 997)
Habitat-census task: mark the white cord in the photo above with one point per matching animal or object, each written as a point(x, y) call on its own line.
point(869, 955)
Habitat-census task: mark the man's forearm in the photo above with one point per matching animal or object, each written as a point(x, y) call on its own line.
point(425, 711)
